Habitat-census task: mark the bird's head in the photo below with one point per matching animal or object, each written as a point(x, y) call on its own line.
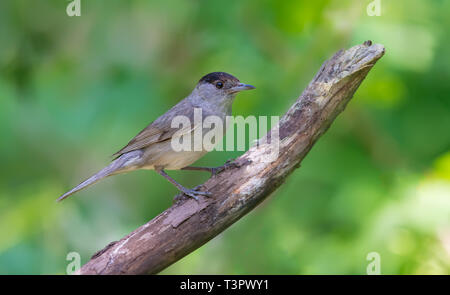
point(220, 87)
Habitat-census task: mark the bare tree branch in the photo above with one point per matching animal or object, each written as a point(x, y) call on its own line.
point(189, 224)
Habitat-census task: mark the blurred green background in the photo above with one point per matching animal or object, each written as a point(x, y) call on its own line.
point(74, 90)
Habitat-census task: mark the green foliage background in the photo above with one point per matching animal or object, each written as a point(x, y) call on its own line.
point(73, 90)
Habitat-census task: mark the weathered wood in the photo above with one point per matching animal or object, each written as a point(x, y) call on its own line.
point(189, 224)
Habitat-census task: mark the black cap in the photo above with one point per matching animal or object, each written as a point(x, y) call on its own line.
point(216, 76)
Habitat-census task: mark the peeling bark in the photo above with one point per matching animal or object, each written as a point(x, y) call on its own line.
point(189, 224)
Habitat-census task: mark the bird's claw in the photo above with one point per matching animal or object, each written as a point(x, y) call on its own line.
point(192, 193)
point(195, 193)
point(228, 165)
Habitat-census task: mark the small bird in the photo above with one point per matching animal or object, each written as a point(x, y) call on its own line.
point(152, 149)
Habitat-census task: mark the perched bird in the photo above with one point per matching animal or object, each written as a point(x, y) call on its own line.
point(152, 147)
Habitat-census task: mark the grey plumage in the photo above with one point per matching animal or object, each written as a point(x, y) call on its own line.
point(151, 148)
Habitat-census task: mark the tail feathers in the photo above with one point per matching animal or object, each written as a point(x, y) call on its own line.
point(90, 181)
point(121, 164)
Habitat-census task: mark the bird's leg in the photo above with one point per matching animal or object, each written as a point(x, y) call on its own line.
point(208, 169)
point(213, 170)
point(194, 193)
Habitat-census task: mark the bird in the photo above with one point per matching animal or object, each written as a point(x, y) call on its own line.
point(152, 148)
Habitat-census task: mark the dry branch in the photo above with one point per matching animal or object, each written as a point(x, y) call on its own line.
point(189, 224)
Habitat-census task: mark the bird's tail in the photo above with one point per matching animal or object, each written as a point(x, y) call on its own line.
point(121, 164)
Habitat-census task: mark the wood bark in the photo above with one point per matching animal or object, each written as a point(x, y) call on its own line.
point(189, 224)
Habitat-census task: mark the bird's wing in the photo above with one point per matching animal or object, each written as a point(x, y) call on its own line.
point(157, 131)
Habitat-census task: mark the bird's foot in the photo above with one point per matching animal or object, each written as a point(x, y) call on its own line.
point(191, 193)
point(228, 165)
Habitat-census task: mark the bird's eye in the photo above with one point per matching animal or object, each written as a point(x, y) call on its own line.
point(219, 85)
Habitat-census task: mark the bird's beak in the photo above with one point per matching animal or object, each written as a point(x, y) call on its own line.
point(240, 87)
